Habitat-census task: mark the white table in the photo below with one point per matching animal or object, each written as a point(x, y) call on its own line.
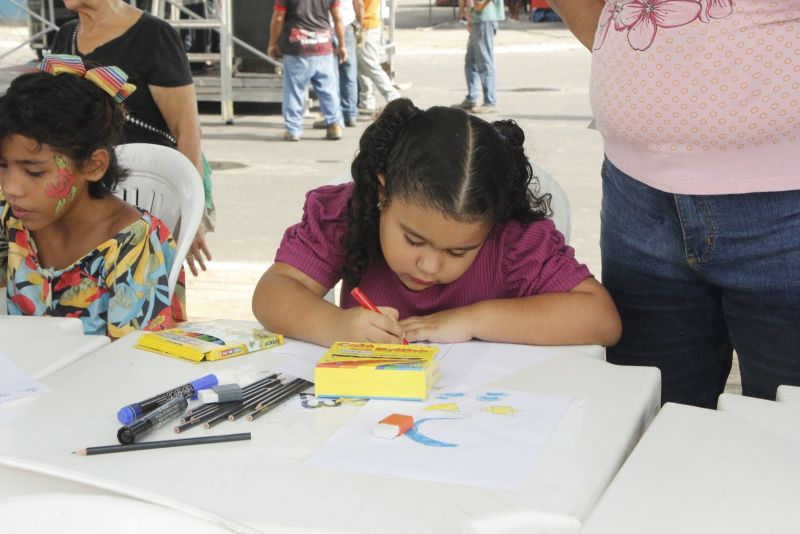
point(703, 471)
point(782, 418)
point(788, 394)
point(43, 345)
point(18, 324)
point(263, 485)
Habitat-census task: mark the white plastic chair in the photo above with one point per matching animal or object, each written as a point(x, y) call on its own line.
point(559, 203)
point(164, 182)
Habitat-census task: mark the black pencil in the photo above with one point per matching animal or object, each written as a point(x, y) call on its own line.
point(296, 386)
point(105, 449)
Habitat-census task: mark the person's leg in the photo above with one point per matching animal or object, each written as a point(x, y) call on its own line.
point(484, 61)
point(295, 80)
point(366, 91)
point(470, 68)
point(369, 65)
point(324, 80)
point(651, 244)
point(348, 83)
point(756, 259)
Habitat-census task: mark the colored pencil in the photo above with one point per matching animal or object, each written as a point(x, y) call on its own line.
point(367, 304)
point(298, 386)
point(106, 449)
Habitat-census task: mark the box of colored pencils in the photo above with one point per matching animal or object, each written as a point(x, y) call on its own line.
point(377, 371)
point(210, 340)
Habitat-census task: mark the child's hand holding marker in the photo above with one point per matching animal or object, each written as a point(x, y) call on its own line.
point(391, 331)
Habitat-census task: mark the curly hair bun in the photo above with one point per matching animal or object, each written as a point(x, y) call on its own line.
point(511, 131)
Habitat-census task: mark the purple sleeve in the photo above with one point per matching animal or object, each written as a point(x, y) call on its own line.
point(537, 260)
point(314, 245)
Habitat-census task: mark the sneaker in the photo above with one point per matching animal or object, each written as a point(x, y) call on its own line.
point(466, 105)
point(485, 108)
point(350, 122)
point(366, 111)
point(288, 136)
point(320, 124)
point(334, 132)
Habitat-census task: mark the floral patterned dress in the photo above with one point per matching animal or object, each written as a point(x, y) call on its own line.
point(114, 289)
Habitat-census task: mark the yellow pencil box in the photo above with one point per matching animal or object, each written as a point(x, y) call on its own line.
point(377, 371)
point(211, 340)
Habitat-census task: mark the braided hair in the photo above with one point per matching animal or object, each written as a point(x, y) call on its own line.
point(443, 158)
point(71, 115)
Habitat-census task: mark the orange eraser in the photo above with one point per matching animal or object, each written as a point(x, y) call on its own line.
point(393, 425)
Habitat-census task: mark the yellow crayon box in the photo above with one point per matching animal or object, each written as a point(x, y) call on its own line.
point(377, 371)
point(210, 340)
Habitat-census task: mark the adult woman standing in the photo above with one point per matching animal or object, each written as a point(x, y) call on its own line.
point(700, 228)
point(164, 108)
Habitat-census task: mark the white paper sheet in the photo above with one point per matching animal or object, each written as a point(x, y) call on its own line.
point(15, 384)
point(488, 438)
point(468, 365)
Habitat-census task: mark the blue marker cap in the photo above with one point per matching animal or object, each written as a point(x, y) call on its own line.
point(204, 382)
point(127, 414)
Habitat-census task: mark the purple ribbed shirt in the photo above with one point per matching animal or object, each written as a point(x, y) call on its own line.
point(516, 260)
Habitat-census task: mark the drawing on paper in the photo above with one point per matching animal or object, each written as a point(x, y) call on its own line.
point(500, 410)
point(446, 396)
point(415, 435)
point(492, 396)
point(444, 407)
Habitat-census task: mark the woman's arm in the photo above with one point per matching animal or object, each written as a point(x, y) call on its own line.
point(580, 16)
point(288, 301)
point(586, 315)
point(178, 106)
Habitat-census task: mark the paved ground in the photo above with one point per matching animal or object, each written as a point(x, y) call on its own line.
point(260, 180)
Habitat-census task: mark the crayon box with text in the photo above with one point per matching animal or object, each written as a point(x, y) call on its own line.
point(375, 370)
point(210, 340)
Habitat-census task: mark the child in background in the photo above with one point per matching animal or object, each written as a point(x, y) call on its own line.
point(440, 228)
point(68, 246)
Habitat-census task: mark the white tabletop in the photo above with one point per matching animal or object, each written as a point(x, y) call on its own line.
point(782, 418)
point(18, 324)
point(788, 394)
point(703, 471)
point(263, 484)
point(43, 345)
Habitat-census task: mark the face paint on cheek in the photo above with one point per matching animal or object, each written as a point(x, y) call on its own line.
point(63, 185)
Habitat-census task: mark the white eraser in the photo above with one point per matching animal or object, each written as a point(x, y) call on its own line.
point(207, 396)
point(382, 430)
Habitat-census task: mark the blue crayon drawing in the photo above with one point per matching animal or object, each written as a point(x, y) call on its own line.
point(415, 435)
point(445, 396)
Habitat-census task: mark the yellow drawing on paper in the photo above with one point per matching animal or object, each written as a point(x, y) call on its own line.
point(501, 410)
point(444, 407)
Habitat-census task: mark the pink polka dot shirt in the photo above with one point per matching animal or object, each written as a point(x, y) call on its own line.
point(700, 96)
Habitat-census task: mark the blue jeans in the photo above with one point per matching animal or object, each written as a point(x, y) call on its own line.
point(696, 276)
point(297, 72)
point(479, 63)
point(348, 76)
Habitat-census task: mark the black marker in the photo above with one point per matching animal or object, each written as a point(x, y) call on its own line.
point(167, 412)
point(128, 413)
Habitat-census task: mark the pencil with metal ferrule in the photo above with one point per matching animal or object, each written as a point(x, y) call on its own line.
point(202, 418)
point(208, 411)
point(279, 393)
point(248, 403)
point(252, 416)
point(106, 449)
point(256, 402)
point(222, 415)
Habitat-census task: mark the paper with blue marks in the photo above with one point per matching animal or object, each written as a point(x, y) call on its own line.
point(483, 437)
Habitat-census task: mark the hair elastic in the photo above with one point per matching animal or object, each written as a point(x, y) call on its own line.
point(112, 80)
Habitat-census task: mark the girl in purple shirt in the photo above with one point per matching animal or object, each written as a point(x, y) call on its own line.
point(439, 227)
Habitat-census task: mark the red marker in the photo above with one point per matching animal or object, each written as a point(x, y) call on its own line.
point(367, 304)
